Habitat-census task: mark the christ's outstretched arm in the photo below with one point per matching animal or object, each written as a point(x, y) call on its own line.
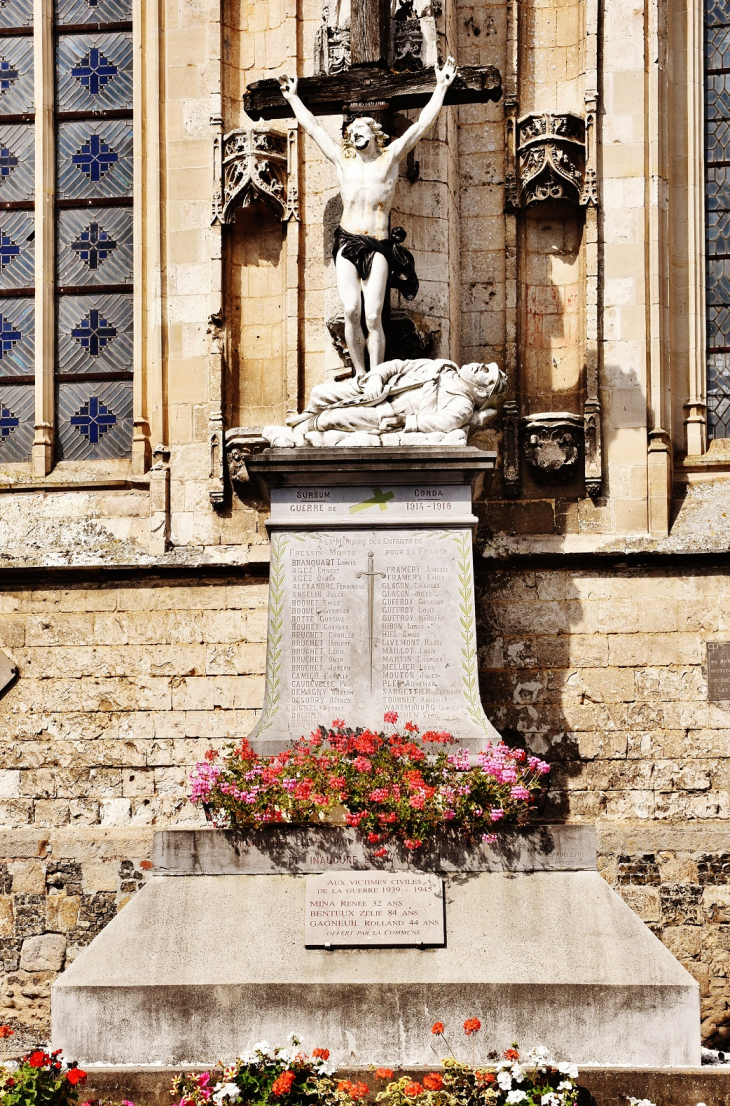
point(444, 77)
point(326, 143)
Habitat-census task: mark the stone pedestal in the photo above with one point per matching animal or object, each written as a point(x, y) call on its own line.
point(210, 957)
point(371, 601)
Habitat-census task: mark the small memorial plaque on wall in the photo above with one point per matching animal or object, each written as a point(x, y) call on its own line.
point(718, 670)
point(360, 909)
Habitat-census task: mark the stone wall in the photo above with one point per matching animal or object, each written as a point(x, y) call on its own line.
point(125, 682)
point(602, 671)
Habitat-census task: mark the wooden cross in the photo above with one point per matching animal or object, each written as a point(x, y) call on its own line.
point(369, 80)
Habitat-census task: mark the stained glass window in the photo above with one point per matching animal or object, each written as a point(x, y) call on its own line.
point(17, 262)
point(94, 173)
point(717, 194)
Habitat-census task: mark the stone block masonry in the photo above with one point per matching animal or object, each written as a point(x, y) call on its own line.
point(124, 684)
point(603, 672)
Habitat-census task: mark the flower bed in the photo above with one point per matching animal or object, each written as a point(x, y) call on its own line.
point(286, 1076)
point(390, 784)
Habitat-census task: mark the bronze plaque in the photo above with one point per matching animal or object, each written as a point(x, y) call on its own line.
point(718, 670)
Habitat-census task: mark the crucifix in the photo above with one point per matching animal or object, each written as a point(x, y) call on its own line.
point(370, 575)
point(369, 257)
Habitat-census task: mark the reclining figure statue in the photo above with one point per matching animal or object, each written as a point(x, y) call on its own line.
point(400, 403)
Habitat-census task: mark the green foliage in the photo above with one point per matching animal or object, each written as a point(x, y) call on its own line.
point(40, 1079)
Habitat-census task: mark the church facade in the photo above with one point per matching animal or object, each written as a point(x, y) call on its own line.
point(167, 284)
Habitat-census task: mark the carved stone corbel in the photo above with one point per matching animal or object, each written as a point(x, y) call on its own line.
point(254, 167)
point(241, 443)
point(552, 444)
point(550, 160)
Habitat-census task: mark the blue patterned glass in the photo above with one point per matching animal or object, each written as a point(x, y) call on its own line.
point(17, 337)
point(94, 334)
point(94, 72)
point(94, 159)
point(94, 246)
point(717, 195)
point(16, 13)
point(94, 420)
point(17, 423)
point(92, 11)
point(16, 75)
point(17, 249)
point(17, 162)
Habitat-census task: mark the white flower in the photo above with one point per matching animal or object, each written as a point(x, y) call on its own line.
point(516, 1096)
point(228, 1090)
point(566, 1085)
point(551, 1099)
point(504, 1080)
point(640, 1101)
point(539, 1055)
point(571, 1070)
point(263, 1047)
point(517, 1073)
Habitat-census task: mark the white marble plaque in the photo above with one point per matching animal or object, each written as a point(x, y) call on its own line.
point(374, 908)
point(364, 621)
point(352, 505)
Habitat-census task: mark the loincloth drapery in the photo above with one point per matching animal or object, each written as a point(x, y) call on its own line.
point(360, 249)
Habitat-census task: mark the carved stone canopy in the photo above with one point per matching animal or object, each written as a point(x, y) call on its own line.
point(254, 167)
point(551, 159)
point(552, 443)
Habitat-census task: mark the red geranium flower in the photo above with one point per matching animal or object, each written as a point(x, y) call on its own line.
point(413, 1090)
point(390, 716)
point(472, 1026)
point(485, 1077)
point(511, 1054)
point(283, 1083)
point(381, 851)
point(338, 723)
point(385, 1073)
point(433, 1081)
point(437, 1028)
point(373, 838)
point(321, 1053)
point(38, 1059)
point(355, 1090)
point(6, 1031)
point(75, 1076)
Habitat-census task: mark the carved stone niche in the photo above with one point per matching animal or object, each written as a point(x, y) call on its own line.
point(552, 444)
point(413, 35)
point(254, 167)
point(550, 160)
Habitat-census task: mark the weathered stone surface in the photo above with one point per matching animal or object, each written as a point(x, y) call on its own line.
point(320, 849)
point(171, 977)
point(43, 954)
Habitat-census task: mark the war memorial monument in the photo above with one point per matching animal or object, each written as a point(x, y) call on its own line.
point(371, 609)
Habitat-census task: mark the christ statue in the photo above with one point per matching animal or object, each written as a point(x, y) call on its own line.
point(367, 253)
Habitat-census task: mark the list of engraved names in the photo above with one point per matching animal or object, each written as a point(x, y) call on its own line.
point(367, 615)
point(374, 908)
